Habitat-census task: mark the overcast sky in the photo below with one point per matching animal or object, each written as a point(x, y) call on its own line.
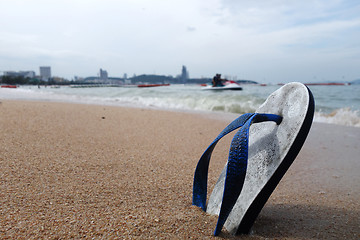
point(266, 41)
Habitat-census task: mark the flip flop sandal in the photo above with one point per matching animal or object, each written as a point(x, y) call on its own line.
point(255, 165)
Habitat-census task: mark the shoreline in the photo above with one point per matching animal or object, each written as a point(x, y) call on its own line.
point(343, 115)
point(83, 171)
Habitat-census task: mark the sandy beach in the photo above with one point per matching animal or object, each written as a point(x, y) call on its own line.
point(102, 172)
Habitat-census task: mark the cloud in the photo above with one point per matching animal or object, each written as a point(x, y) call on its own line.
point(140, 36)
point(278, 14)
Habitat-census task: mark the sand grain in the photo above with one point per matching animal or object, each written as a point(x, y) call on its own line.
point(82, 171)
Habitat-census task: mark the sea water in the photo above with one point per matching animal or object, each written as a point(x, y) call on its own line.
point(333, 104)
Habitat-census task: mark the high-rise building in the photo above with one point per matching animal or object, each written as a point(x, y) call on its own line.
point(103, 74)
point(184, 74)
point(45, 73)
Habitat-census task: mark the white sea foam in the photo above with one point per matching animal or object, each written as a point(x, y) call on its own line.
point(342, 116)
point(337, 105)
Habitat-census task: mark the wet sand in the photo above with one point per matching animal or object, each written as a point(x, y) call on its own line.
point(84, 171)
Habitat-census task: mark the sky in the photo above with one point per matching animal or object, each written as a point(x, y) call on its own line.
point(269, 41)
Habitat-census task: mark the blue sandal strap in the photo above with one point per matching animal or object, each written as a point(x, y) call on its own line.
point(236, 168)
point(201, 172)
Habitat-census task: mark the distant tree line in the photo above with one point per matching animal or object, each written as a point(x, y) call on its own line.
point(152, 79)
point(167, 79)
point(21, 80)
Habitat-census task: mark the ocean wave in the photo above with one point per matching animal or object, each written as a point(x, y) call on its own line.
point(184, 98)
point(342, 116)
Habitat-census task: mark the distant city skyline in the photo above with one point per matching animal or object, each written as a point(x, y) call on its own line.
point(45, 74)
point(267, 41)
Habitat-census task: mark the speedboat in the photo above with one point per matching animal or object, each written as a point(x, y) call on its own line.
point(228, 85)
